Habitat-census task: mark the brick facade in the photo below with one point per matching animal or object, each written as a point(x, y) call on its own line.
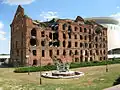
point(70, 40)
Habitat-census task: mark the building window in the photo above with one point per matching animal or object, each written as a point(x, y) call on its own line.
point(76, 52)
point(96, 39)
point(90, 45)
point(85, 30)
point(69, 35)
point(76, 28)
point(43, 43)
point(86, 52)
point(34, 52)
point(81, 37)
point(85, 37)
point(96, 45)
point(104, 51)
point(64, 36)
point(50, 35)
point(64, 43)
point(50, 53)
point(91, 59)
point(81, 52)
point(64, 26)
point(43, 53)
point(90, 52)
point(75, 36)
point(76, 59)
point(76, 44)
point(33, 32)
point(57, 52)
point(81, 44)
point(81, 59)
point(89, 31)
point(86, 45)
point(42, 34)
point(89, 37)
point(69, 29)
point(70, 52)
point(64, 53)
point(34, 62)
point(80, 29)
point(97, 52)
point(86, 59)
point(69, 44)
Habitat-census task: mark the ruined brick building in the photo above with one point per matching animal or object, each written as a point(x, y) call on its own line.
point(76, 40)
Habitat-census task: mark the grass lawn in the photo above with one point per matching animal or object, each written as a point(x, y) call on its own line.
point(95, 78)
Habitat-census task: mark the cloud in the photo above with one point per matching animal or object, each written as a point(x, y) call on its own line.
point(116, 15)
point(17, 2)
point(118, 7)
point(48, 15)
point(2, 33)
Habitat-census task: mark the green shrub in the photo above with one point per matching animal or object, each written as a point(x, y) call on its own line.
point(72, 65)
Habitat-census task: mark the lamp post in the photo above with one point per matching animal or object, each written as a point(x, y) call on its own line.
point(40, 73)
point(27, 56)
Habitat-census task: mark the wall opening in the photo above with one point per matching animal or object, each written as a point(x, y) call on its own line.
point(35, 62)
point(33, 42)
point(50, 53)
point(34, 52)
point(43, 53)
point(64, 43)
point(33, 32)
point(42, 34)
point(69, 44)
point(50, 35)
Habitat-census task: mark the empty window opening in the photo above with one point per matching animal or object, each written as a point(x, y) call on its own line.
point(81, 37)
point(50, 35)
point(16, 44)
point(104, 52)
point(104, 58)
point(91, 52)
point(96, 45)
point(85, 37)
point(80, 29)
point(86, 52)
point(42, 34)
point(81, 52)
point(69, 44)
point(57, 52)
point(89, 31)
point(97, 52)
point(91, 59)
point(69, 35)
point(81, 44)
point(43, 43)
point(35, 62)
point(85, 30)
point(75, 36)
point(86, 59)
point(33, 32)
point(89, 37)
point(70, 52)
point(81, 59)
point(50, 43)
point(96, 39)
point(76, 44)
point(55, 36)
point(33, 42)
point(76, 52)
point(64, 26)
point(43, 53)
point(34, 52)
point(90, 45)
point(86, 45)
point(50, 53)
point(76, 59)
point(101, 52)
point(69, 28)
point(64, 36)
point(64, 53)
point(103, 45)
point(100, 58)
point(64, 43)
point(76, 28)
point(56, 43)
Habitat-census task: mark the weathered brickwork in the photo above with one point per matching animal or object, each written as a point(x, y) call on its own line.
point(69, 40)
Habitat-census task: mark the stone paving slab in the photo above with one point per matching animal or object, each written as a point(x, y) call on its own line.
point(117, 87)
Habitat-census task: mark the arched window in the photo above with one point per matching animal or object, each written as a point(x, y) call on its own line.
point(64, 26)
point(33, 32)
point(35, 62)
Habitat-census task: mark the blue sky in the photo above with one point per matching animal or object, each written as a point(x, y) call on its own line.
point(47, 9)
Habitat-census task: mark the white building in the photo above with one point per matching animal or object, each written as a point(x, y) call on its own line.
point(113, 30)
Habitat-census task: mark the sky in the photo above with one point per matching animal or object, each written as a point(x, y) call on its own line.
point(47, 9)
